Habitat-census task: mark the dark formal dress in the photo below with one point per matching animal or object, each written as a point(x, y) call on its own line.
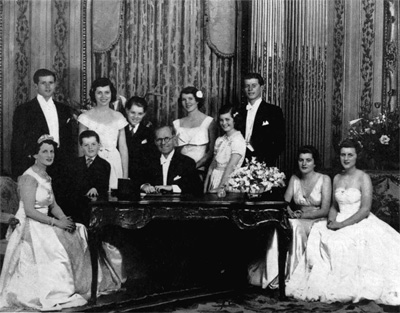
point(140, 147)
point(268, 136)
point(181, 172)
point(83, 178)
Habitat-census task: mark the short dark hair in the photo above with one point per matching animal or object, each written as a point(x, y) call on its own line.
point(42, 73)
point(237, 118)
point(171, 128)
point(102, 82)
point(139, 101)
point(48, 141)
point(254, 76)
point(87, 134)
point(315, 154)
point(350, 143)
point(191, 90)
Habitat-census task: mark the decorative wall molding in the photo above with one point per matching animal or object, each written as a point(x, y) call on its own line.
point(108, 19)
point(220, 20)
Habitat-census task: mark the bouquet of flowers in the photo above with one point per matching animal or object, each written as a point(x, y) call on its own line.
point(379, 138)
point(255, 177)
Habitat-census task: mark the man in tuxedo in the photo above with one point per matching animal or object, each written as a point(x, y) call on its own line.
point(170, 171)
point(89, 177)
point(139, 137)
point(264, 128)
point(42, 115)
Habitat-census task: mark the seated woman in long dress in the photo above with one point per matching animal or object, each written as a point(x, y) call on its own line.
point(47, 262)
point(311, 193)
point(196, 132)
point(353, 255)
point(229, 151)
point(110, 125)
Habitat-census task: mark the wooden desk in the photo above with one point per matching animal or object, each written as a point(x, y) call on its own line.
point(137, 214)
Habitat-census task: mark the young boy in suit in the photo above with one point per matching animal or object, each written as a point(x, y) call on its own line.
point(89, 177)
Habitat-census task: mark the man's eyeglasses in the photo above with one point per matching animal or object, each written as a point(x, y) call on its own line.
point(163, 140)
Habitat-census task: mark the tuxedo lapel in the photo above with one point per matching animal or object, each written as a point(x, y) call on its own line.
point(39, 118)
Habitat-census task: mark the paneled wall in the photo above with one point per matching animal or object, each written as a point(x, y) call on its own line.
point(325, 63)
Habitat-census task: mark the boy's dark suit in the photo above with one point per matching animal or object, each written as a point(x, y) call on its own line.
point(29, 123)
point(140, 148)
point(81, 180)
point(182, 172)
point(268, 137)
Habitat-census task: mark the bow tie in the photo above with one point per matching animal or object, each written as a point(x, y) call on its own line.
point(164, 161)
point(249, 107)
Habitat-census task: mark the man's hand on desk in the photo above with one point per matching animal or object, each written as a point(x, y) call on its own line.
point(147, 188)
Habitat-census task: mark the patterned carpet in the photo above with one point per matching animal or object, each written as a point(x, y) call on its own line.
point(256, 302)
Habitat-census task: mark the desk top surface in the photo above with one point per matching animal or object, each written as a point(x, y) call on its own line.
point(204, 200)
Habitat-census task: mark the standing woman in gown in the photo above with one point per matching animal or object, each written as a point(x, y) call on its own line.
point(229, 151)
point(109, 124)
point(353, 255)
point(47, 262)
point(196, 132)
point(311, 194)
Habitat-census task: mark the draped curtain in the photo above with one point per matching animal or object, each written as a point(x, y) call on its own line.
point(162, 47)
point(326, 63)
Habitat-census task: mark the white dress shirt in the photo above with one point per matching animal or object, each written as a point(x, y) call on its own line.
point(50, 113)
point(165, 162)
point(251, 115)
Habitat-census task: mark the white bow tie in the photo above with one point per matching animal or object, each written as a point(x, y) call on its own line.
point(249, 107)
point(163, 161)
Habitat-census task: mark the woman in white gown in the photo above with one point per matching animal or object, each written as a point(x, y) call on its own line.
point(229, 151)
point(110, 125)
point(311, 193)
point(47, 262)
point(353, 255)
point(196, 132)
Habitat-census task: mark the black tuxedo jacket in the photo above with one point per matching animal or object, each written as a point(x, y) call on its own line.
point(79, 181)
point(182, 172)
point(140, 148)
point(29, 123)
point(268, 137)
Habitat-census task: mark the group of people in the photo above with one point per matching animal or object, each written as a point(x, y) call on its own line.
point(339, 251)
point(185, 157)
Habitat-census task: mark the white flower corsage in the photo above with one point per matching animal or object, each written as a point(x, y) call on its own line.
point(199, 94)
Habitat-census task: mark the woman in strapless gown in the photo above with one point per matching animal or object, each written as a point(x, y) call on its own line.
point(196, 132)
point(229, 151)
point(47, 261)
point(353, 255)
point(311, 194)
point(110, 126)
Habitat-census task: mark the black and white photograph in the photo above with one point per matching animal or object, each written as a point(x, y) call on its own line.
point(200, 156)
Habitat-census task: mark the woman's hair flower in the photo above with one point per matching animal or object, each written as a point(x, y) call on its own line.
point(234, 114)
point(199, 94)
point(384, 140)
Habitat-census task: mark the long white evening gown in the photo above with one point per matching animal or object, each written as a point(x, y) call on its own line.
point(45, 267)
point(193, 140)
point(108, 134)
point(360, 261)
point(225, 146)
point(264, 273)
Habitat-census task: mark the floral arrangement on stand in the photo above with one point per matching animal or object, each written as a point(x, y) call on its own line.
point(255, 178)
point(379, 139)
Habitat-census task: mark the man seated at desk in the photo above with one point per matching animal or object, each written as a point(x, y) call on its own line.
point(170, 171)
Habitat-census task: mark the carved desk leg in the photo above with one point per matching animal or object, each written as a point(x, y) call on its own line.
point(94, 255)
point(282, 251)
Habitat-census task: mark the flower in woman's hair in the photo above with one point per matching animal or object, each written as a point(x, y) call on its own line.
point(234, 114)
point(199, 94)
point(384, 140)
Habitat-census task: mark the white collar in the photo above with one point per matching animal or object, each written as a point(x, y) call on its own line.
point(164, 159)
point(42, 100)
point(256, 104)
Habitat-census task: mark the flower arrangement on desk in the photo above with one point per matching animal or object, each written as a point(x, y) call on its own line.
point(378, 137)
point(255, 178)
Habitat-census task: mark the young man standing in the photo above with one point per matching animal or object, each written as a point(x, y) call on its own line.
point(41, 115)
point(264, 129)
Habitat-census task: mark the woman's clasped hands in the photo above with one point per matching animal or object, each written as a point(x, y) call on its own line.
point(66, 223)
